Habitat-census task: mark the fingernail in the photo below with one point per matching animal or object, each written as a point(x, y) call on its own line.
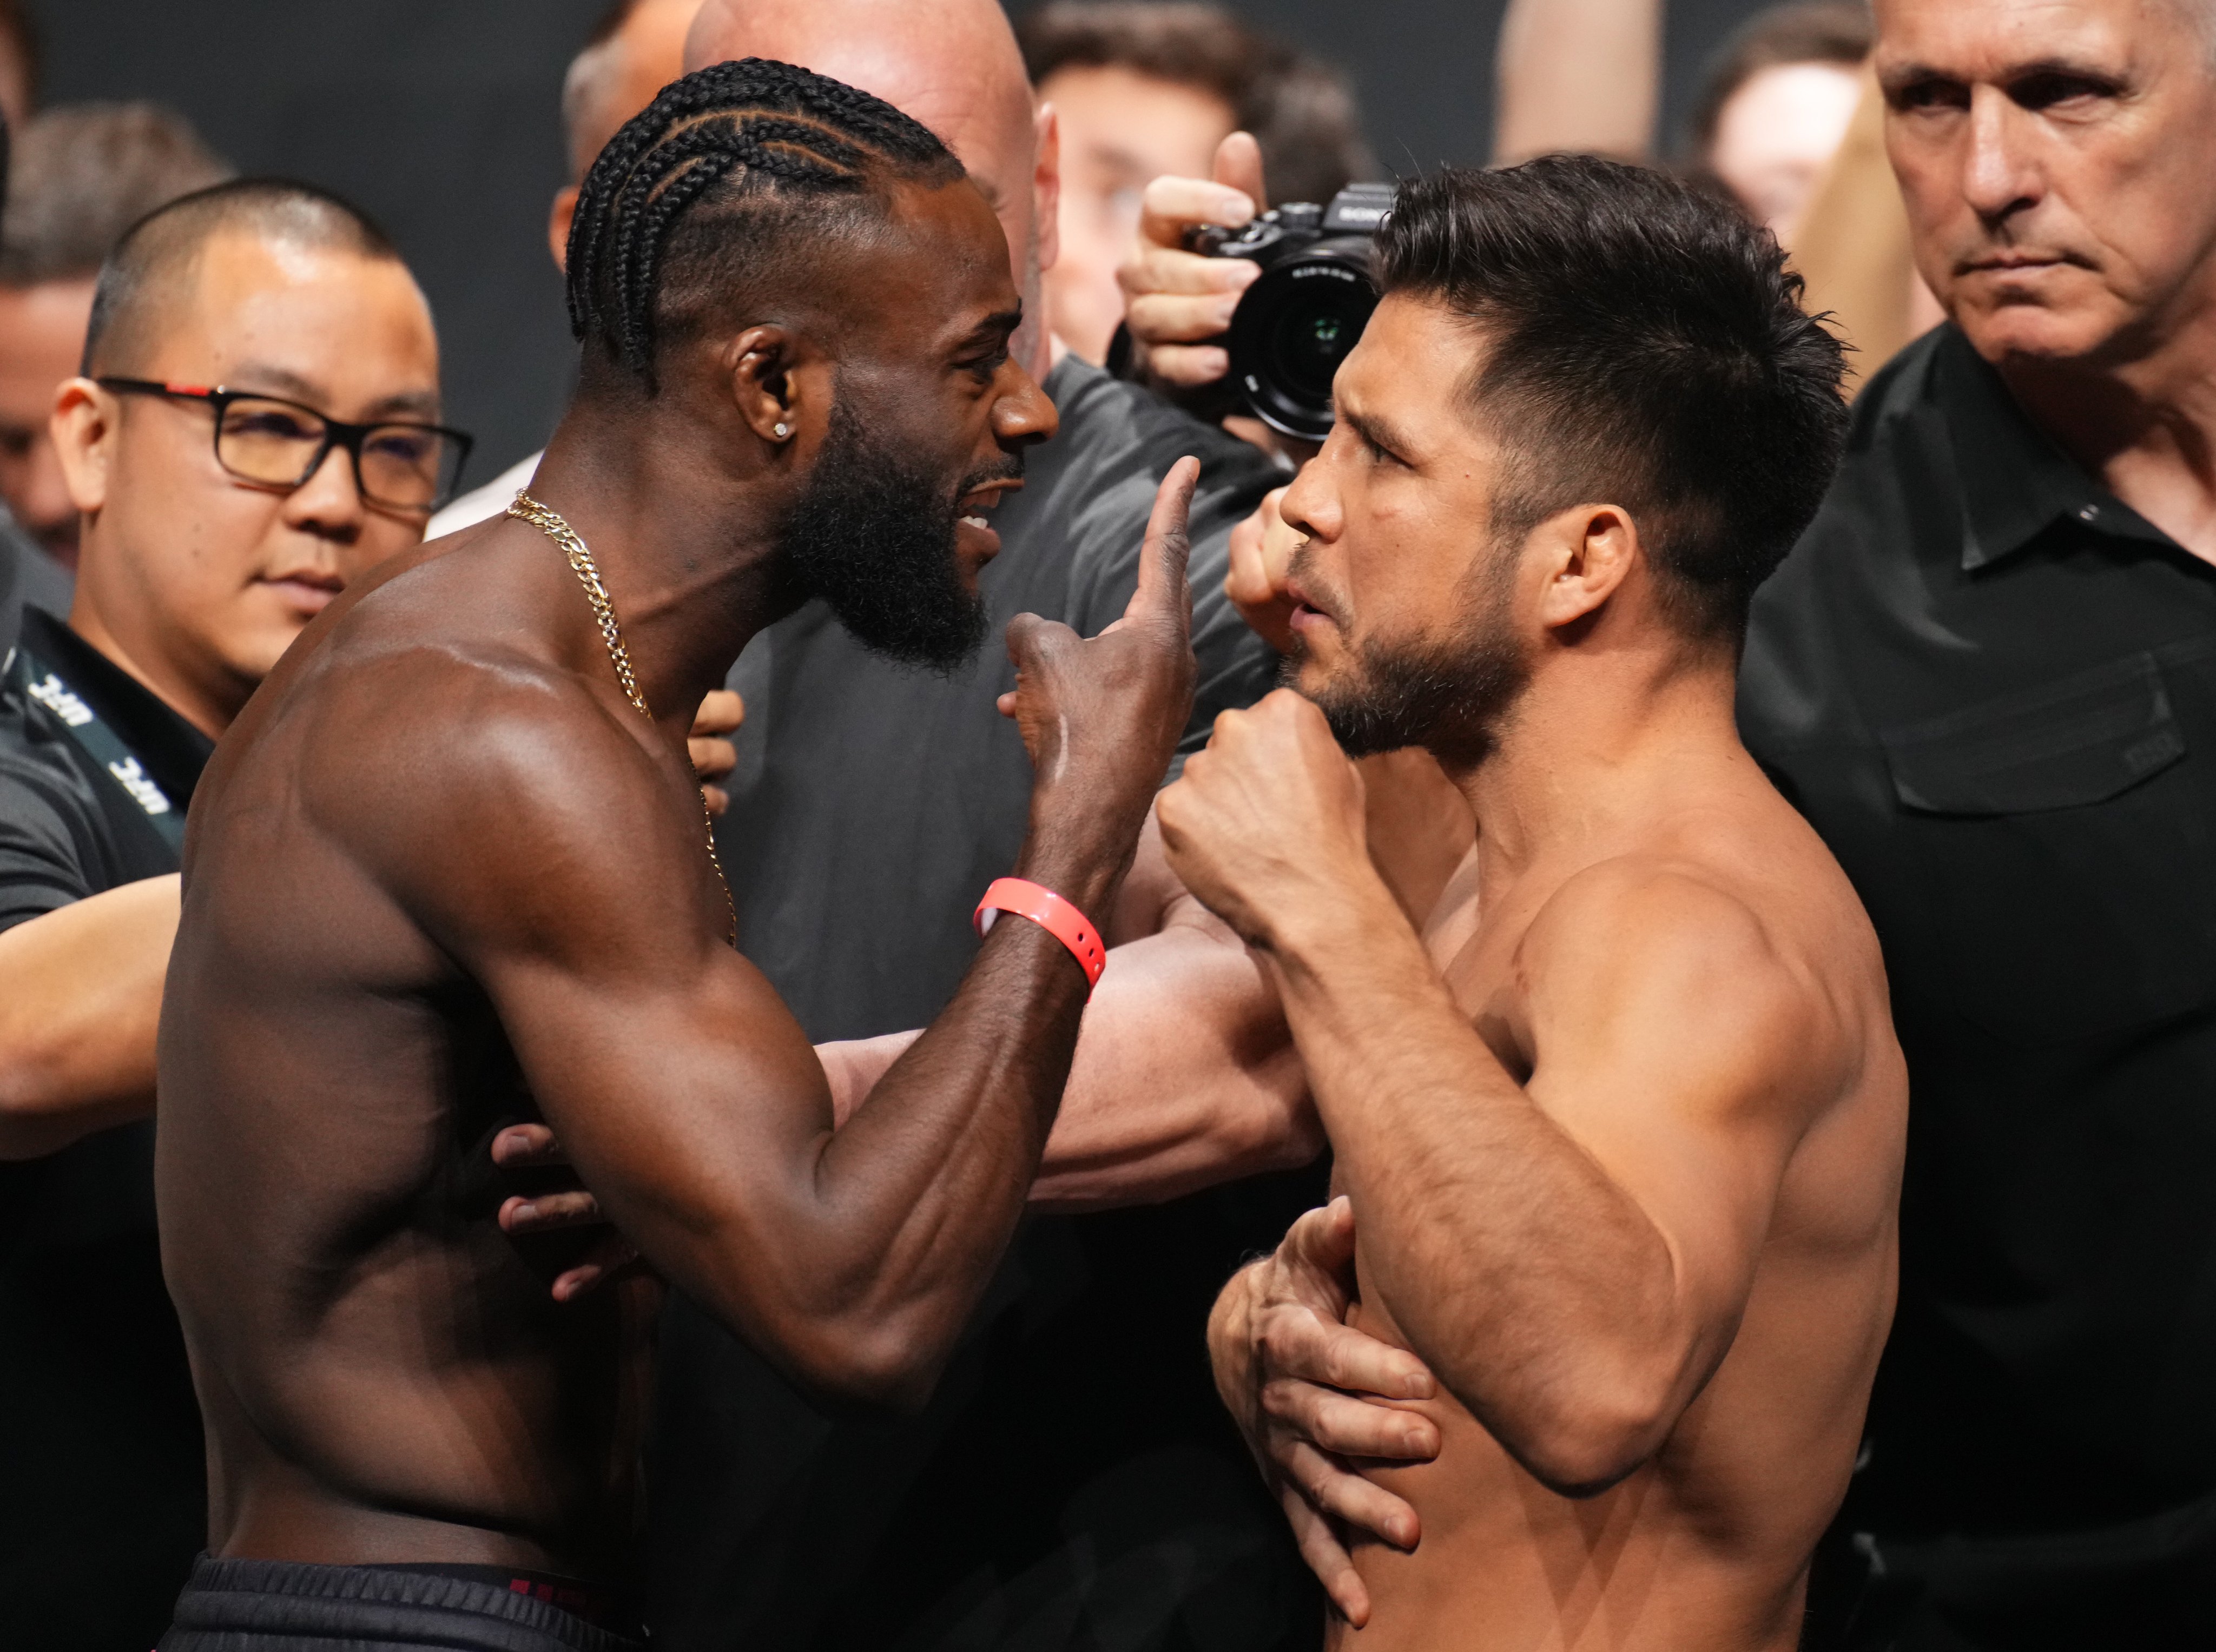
point(524, 1211)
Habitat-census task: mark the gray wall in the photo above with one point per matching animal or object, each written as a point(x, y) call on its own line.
point(439, 117)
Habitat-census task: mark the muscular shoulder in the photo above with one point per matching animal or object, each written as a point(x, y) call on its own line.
point(468, 779)
point(1666, 952)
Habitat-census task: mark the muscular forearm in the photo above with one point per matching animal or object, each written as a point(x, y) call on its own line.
point(1532, 1285)
point(919, 1193)
point(1185, 1076)
point(80, 998)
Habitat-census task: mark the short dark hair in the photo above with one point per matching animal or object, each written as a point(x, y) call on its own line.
point(730, 175)
point(1300, 110)
point(83, 174)
point(1641, 343)
point(1838, 32)
point(142, 274)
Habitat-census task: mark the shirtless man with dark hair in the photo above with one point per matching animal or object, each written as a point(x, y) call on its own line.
point(449, 872)
point(1622, 1137)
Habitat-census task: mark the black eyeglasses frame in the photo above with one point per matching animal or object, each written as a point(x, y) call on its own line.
point(337, 432)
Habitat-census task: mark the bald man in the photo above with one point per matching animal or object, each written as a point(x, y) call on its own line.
point(1072, 1470)
point(636, 50)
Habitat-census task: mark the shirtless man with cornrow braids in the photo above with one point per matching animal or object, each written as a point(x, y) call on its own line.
point(448, 874)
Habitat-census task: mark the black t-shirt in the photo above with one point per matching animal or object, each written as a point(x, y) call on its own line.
point(1076, 1483)
point(103, 1498)
point(28, 577)
point(1992, 686)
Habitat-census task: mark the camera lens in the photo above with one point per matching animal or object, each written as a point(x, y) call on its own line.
point(1293, 327)
point(1313, 339)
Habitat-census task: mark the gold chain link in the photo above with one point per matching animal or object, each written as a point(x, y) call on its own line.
point(550, 523)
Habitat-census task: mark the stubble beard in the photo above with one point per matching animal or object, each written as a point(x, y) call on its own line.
point(1448, 695)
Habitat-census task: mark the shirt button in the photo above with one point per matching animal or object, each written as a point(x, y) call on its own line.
point(2090, 514)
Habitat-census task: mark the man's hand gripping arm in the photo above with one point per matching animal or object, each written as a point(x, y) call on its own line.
point(1568, 1252)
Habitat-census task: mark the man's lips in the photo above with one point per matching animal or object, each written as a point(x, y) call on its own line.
point(309, 590)
point(980, 501)
point(2016, 264)
point(1306, 610)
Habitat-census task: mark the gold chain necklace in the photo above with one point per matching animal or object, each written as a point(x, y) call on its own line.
point(528, 509)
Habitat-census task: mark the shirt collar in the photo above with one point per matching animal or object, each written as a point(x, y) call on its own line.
point(2016, 483)
point(171, 749)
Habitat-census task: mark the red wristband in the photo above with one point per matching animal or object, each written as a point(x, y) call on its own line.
point(1051, 913)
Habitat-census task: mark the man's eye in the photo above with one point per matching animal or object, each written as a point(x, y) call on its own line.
point(986, 367)
point(1931, 94)
point(2047, 90)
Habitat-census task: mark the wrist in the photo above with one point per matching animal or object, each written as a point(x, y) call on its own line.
point(1084, 862)
point(1332, 916)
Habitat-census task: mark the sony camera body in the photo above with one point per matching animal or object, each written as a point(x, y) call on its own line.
point(1307, 309)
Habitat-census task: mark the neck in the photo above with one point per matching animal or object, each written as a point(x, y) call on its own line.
point(2143, 424)
point(1586, 753)
point(687, 551)
point(209, 700)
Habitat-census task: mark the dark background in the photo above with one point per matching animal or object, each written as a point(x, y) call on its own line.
point(440, 117)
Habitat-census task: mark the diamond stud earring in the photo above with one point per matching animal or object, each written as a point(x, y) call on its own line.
point(783, 430)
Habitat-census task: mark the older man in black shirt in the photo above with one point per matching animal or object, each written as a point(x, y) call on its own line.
point(203, 557)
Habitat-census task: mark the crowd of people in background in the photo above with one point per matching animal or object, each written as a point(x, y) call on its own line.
point(1986, 676)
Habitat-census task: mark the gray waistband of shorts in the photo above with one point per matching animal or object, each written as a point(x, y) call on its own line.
point(289, 1601)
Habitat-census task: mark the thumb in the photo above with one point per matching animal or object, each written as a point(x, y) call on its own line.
point(1239, 164)
point(1030, 637)
point(1324, 1238)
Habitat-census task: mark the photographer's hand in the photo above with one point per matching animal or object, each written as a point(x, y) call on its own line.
point(1261, 553)
point(1175, 300)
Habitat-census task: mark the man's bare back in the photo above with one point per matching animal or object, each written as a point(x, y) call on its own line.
point(444, 877)
point(1621, 1151)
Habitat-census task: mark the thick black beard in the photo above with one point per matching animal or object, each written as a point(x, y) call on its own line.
point(1447, 697)
point(872, 534)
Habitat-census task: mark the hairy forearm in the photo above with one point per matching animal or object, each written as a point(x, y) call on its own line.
point(1535, 1287)
point(80, 999)
point(1583, 75)
point(1185, 1076)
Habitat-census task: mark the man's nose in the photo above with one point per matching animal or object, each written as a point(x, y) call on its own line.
point(1024, 412)
point(329, 501)
point(2000, 175)
point(1310, 505)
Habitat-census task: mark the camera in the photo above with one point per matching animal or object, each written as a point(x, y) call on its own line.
point(1307, 309)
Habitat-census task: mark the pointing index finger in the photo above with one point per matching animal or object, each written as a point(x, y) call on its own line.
point(1162, 591)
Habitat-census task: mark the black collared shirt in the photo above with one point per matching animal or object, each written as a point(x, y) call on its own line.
point(102, 1489)
point(1992, 686)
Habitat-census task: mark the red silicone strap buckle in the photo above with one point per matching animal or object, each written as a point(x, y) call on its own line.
point(1051, 913)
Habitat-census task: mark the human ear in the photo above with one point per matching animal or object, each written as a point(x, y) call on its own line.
point(1046, 186)
point(84, 426)
point(557, 225)
point(780, 384)
point(1589, 552)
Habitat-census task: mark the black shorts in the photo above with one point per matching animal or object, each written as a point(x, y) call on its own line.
point(277, 1605)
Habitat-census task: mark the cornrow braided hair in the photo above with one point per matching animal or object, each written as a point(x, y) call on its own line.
point(757, 126)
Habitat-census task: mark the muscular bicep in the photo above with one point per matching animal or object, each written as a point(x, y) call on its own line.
point(1682, 1051)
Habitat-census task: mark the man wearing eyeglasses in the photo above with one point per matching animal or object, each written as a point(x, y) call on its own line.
point(256, 426)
